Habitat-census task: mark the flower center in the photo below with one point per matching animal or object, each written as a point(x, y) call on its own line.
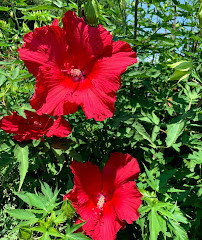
point(76, 74)
point(37, 124)
point(101, 201)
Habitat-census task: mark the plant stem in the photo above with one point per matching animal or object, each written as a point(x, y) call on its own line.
point(135, 23)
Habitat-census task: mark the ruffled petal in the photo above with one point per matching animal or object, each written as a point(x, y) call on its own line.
point(86, 42)
point(46, 46)
point(96, 104)
point(52, 88)
point(60, 128)
point(103, 226)
point(126, 201)
point(119, 169)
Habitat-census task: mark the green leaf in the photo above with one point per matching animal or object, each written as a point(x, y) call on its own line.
point(76, 236)
point(141, 130)
point(154, 184)
point(15, 72)
point(155, 132)
point(47, 191)
point(5, 9)
point(182, 66)
point(21, 153)
point(22, 214)
point(178, 230)
point(40, 7)
point(154, 225)
point(36, 201)
point(174, 130)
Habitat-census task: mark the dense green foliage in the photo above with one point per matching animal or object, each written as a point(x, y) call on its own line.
point(157, 121)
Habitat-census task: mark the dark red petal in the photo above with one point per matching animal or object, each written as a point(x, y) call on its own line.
point(60, 128)
point(104, 226)
point(33, 127)
point(87, 177)
point(126, 201)
point(51, 92)
point(119, 169)
point(86, 42)
point(10, 124)
point(45, 46)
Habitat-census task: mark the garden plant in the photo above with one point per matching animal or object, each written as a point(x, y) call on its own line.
point(100, 104)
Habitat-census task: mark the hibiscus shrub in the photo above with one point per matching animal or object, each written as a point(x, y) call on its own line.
point(100, 119)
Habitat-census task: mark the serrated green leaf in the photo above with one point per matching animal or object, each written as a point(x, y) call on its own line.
point(36, 201)
point(22, 214)
point(21, 154)
point(141, 130)
point(47, 191)
point(154, 184)
point(178, 230)
point(154, 225)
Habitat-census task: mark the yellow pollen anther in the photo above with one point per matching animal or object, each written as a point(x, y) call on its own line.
point(101, 202)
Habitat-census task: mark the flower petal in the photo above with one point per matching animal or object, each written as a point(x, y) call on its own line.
point(60, 128)
point(29, 128)
point(126, 201)
point(87, 177)
point(51, 92)
point(119, 169)
point(106, 72)
point(10, 123)
point(86, 42)
point(46, 46)
point(96, 104)
point(104, 226)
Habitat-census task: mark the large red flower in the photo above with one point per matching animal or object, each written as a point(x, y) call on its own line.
point(34, 126)
point(106, 200)
point(75, 65)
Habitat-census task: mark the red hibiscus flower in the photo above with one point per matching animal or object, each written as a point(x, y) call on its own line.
point(34, 126)
point(106, 200)
point(75, 65)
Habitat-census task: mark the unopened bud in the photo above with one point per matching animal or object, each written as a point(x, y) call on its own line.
point(91, 12)
point(11, 14)
point(68, 209)
point(25, 234)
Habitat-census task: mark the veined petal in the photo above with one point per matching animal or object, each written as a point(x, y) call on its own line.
point(119, 169)
point(126, 201)
point(95, 104)
point(106, 72)
point(51, 91)
point(46, 46)
point(86, 42)
point(60, 128)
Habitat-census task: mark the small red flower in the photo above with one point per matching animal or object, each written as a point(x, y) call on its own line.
point(75, 65)
point(106, 200)
point(34, 126)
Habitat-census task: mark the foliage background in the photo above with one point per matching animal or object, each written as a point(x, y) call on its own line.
point(157, 120)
